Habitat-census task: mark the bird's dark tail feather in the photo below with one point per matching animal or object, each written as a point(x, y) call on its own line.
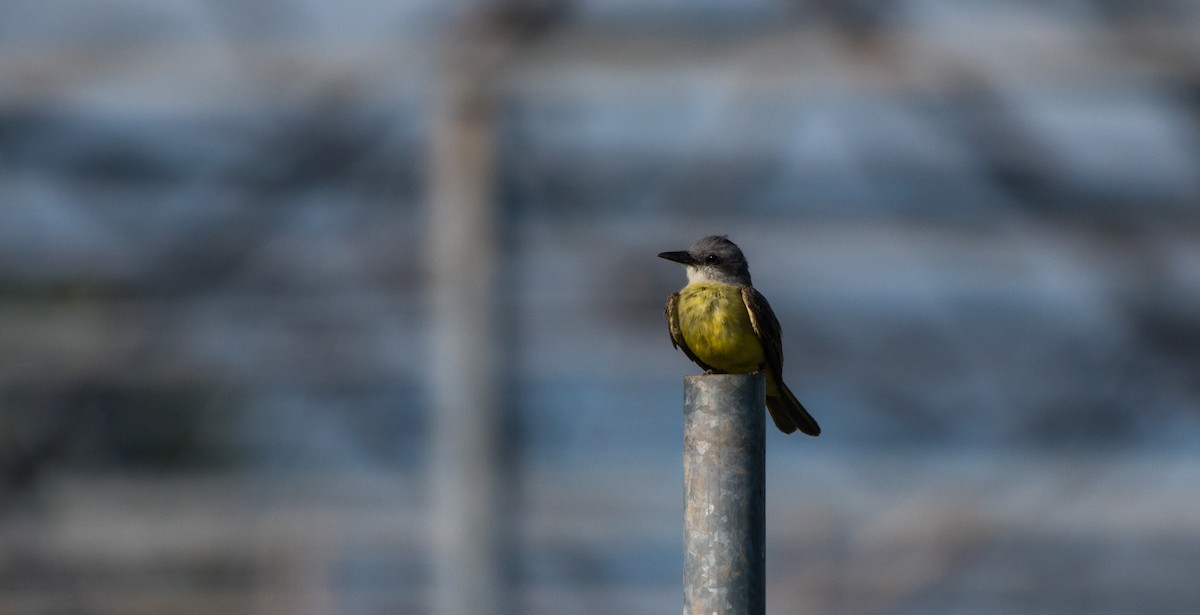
point(789, 414)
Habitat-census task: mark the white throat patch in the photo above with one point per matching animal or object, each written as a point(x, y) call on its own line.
point(699, 275)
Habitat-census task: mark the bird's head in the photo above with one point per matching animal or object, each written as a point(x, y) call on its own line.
point(713, 259)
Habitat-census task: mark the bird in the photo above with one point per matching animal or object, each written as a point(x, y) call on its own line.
point(724, 325)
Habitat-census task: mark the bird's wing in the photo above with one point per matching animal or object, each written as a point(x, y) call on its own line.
point(672, 312)
point(766, 327)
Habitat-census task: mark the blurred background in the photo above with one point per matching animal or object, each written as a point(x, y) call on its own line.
point(352, 307)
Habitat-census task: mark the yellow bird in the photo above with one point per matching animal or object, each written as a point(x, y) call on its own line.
point(726, 326)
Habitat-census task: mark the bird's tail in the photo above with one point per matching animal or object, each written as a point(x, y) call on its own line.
point(787, 411)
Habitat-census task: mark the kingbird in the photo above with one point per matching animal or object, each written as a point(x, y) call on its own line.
point(726, 326)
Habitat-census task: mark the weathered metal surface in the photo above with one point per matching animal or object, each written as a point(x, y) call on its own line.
point(724, 511)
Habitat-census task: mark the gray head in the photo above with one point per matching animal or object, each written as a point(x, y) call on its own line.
point(713, 259)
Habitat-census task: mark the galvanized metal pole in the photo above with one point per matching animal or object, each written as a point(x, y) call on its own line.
point(724, 465)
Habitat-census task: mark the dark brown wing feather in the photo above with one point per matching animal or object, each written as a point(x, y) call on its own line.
point(766, 326)
point(787, 411)
point(672, 313)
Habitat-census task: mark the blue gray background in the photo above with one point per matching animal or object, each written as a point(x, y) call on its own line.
point(977, 222)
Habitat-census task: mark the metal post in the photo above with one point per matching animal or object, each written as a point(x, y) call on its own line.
point(724, 469)
point(469, 514)
point(472, 521)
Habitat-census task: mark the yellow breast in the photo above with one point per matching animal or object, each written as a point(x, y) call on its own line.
point(717, 329)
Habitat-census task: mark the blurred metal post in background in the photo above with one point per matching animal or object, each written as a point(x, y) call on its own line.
point(468, 513)
point(724, 475)
point(471, 514)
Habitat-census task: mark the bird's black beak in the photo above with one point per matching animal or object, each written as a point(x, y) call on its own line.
point(679, 257)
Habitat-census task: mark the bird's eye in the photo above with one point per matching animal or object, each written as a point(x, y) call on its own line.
point(711, 259)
